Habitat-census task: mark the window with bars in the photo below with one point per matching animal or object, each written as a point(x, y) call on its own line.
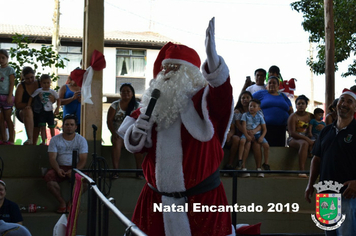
point(74, 54)
point(131, 68)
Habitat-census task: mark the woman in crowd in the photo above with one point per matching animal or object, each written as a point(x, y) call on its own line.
point(24, 113)
point(298, 124)
point(116, 115)
point(70, 99)
point(232, 143)
point(276, 109)
point(331, 116)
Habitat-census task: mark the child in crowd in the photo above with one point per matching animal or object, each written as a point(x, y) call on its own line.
point(317, 124)
point(250, 120)
point(331, 116)
point(43, 106)
point(7, 82)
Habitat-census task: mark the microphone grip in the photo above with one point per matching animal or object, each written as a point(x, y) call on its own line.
point(150, 107)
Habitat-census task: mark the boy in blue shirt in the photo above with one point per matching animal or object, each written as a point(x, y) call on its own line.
point(249, 121)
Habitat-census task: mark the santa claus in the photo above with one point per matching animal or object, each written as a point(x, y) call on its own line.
point(183, 140)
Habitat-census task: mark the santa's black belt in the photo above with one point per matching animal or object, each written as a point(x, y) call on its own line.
point(210, 183)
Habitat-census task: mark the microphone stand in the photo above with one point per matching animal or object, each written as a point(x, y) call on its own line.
point(97, 168)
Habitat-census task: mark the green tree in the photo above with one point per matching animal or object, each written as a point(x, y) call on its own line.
point(43, 58)
point(345, 31)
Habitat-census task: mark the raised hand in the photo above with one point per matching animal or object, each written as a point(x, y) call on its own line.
point(212, 56)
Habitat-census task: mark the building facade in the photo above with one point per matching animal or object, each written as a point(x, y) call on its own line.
point(129, 59)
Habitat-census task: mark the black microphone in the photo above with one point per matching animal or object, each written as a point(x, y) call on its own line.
point(94, 127)
point(154, 96)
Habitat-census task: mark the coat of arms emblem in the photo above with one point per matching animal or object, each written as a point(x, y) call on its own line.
point(328, 206)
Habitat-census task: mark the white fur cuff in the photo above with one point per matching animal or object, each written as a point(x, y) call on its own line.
point(219, 76)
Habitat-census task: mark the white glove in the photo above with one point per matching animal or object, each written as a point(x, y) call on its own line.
point(212, 56)
point(140, 128)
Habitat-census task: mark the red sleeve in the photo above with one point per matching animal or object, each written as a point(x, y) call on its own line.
point(135, 114)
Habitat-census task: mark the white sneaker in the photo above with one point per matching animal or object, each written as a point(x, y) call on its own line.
point(260, 175)
point(245, 175)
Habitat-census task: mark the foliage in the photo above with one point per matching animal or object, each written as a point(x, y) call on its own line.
point(43, 58)
point(344, 28)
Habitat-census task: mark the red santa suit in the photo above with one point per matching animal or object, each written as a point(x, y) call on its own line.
point(183, 155)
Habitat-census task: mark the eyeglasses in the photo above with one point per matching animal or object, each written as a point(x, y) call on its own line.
point(170, 67)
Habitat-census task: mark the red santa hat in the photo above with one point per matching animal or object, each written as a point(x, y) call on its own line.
point(176, 54)
point(349, 92)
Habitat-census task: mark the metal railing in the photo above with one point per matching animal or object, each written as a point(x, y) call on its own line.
point(234, 174)
point(96, 199)
point(95, 194)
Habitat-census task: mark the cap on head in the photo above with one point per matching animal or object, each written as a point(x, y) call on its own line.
point(349, 92)
point(3, 183)
point(175, 54)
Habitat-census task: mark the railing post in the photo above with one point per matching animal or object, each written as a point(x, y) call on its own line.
point(234, 196)
point(72, 177)
point(106, 217)
point(99, 203)
point(91, 222)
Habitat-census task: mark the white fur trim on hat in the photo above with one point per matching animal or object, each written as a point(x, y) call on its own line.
point(178, 61)
point(348, 92)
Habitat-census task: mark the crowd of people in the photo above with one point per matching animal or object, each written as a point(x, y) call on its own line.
point(190, 119)
point(34, 101)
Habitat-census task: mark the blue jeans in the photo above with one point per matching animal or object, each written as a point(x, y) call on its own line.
point(348, 227)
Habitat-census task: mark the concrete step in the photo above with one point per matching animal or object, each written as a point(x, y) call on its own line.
point(25, 185)
point(42, 223)
point(271, 192)
point(28, 161)
point(280, 158)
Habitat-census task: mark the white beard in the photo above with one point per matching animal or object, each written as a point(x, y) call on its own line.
point(175, 93)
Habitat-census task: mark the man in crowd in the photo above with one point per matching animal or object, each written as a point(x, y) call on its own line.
point(9, 211)
point(335, 160)
point(183, 139)
point(60, 152)
point(260, 76)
